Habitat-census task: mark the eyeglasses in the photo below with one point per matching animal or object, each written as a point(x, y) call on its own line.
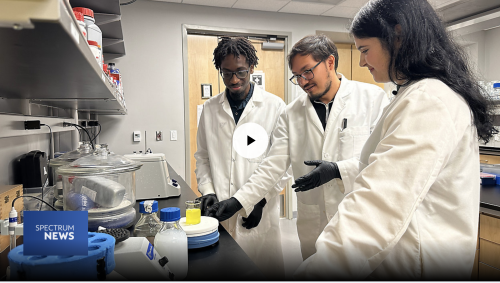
point(306, 75)
point(239, 74)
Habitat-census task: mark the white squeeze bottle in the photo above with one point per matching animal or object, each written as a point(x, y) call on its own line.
point(171, 241)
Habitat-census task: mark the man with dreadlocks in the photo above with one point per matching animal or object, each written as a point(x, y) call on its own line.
point(220, 171)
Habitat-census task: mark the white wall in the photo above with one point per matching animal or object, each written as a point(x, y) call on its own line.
point(484, 52)
point(152, 70)
point(475, 46)
point(492, 56)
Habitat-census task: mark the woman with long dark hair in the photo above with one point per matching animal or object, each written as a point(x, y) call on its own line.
point(414, 209)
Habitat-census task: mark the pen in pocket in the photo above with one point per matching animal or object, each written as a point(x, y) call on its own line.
point(344, 124)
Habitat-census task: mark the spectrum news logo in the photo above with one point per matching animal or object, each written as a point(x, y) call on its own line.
point(55, 233)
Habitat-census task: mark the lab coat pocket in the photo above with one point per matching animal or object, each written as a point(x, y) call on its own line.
point(263, 227)
point(351, 141)
point(360, 136)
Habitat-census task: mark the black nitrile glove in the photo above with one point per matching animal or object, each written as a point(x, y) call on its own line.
point(324, 172)
point(254, 218)
point(225, 209)
point(206, 202)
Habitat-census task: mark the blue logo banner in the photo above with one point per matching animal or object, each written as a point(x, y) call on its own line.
point(55, 233)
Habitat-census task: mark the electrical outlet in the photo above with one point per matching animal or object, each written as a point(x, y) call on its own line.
point(173, 135)
point(137, 136)
point(159, 135)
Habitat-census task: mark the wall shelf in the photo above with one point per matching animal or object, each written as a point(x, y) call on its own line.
point(51, 64)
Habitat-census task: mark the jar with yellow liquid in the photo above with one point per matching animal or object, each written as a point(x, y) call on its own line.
point(193, 212)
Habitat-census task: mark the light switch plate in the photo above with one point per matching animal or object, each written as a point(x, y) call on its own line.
point(173, 135)
point(159, 135)
point(137, 136)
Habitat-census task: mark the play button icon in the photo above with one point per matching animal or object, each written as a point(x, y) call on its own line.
point(250, 140)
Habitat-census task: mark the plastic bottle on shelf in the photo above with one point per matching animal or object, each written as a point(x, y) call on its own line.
point(115, 73)
point(81, 24)
point(105, 69)
point(149, 224)
point(96, 50)
point(172, 242)
point(496, 91)
point(94, 33)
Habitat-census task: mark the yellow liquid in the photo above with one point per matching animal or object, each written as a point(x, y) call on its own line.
point(193, 216)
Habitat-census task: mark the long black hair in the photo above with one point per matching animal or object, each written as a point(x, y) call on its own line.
point(426, 51)
point(238, 46)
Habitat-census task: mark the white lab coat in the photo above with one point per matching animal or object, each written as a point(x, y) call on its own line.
point(413, 213)
point(299, 136)
point(220, 170)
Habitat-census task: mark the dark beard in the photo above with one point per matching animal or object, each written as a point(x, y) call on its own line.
point(318, 96)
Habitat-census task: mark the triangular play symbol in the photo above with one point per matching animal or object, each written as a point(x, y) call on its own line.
point(249, 140)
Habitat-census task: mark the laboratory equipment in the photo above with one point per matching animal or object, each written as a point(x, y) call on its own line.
point(496, 90)
point(204, 234)
point(32, 204)
point(172, 242)
point(193, 212)
point(103, 184)
point(96, 265)
point(137, 259)
point(149, 224)
point(33, 169)
point(84, 149)
point(153, 180)
point(488, 179)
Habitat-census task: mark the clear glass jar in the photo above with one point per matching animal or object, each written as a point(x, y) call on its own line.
point(172, 242)
point(149, 224)
point(193, 212)
point(103, 184)
point(85, 149)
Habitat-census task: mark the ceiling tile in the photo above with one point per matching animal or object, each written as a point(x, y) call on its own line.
point(261, 5)
point(215, 3)
point(341, 12)
point(305, 8)
point(354, 3)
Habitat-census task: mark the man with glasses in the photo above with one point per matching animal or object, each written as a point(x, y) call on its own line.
point(220, 171)
point(321, 135)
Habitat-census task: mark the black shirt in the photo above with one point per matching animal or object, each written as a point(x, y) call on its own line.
point(237, 107)
point(323, 110)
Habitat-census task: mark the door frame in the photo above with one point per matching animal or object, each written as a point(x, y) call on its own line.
point(221, 31)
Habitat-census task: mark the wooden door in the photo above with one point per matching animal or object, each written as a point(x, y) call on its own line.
point(361, 74)
point(344, 65)
point(201, 70)
point(272, 63)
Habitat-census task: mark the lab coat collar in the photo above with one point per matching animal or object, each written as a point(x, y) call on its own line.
point(257, 97)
